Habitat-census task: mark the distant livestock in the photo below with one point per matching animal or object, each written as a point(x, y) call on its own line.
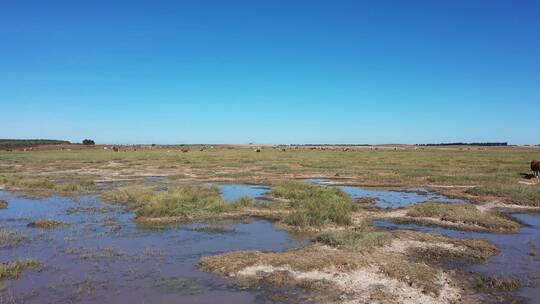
point(115, 149)
point(535, 167)
point(185, 150)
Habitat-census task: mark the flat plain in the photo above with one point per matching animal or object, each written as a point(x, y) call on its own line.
point(330, 224)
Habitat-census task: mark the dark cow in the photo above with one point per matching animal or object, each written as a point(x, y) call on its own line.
point(535, 167)
point(115, 149)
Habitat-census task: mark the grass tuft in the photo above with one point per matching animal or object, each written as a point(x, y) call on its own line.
point(464, 213)
point(314, 205)
point(131, 196)
point(44, 224)
point(519, 194)
point(358, 241)
point(187, 201)
point(417, 275)
point(13, 269)
point(10, 239)
point(484, 282)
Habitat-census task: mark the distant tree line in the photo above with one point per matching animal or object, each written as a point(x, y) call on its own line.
point(22, 143)
point(88, 142)
point(487, 144)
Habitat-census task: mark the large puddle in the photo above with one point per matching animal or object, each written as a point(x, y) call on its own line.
point(389, 198)
point(231, 192)
point(519, 255)
point(101, 256)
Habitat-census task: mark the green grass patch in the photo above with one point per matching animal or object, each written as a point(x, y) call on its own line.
point(27, 182)
point(183, 201)
point(314, 205)
point(464, 213)
point(132, 196)
point(520, 194)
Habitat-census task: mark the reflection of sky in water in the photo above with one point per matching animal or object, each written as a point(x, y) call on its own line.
point(389, 198)
point(148, 255)
point(231, 192)
point(518, 257)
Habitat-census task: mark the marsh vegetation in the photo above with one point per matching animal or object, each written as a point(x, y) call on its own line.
point(463, 213)
point(13, 269)
point(323, 235)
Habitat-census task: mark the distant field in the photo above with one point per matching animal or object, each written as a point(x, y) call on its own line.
point(498, 169)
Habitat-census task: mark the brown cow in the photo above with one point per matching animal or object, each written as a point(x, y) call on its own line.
point(535, 167)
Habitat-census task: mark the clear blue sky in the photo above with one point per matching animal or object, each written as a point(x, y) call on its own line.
point(270, 71)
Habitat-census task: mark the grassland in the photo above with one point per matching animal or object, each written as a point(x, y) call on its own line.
point(296, 204)
point(383, 167)
point(346, 255)
point(183, 202)
point(463, 213)
point(314, 205)
point(494, 172)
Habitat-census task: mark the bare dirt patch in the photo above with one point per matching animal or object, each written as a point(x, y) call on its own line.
point(353, 276)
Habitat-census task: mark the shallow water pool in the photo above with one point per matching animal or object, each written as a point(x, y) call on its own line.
point(101, 256)
point(519, 255)
point(231, 192)
point(390, 198)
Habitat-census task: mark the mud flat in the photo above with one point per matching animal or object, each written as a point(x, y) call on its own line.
point(518, 257)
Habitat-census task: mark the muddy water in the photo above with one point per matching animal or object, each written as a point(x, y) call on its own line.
point(390, 198)
point(519, 255)
point(101, 256)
